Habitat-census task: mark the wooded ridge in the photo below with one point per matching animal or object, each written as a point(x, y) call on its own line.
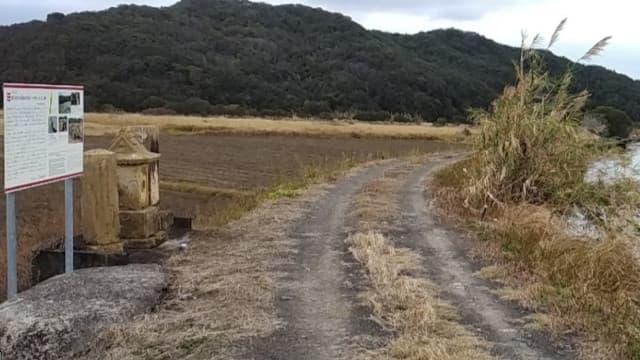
point(238, 57)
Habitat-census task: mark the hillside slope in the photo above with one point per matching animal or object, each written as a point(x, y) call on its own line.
point(271, 59)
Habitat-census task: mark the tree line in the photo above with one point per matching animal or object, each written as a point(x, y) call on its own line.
point(236, 57)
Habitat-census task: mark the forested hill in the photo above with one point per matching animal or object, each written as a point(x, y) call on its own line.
point(212, 56)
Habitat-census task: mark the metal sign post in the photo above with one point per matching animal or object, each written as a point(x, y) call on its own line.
point(12, 248)
point(43, 144)
point(68, 226)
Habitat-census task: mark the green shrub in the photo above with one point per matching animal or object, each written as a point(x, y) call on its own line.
point(109, 109)
point(158, 111)
point(372, 116)
point(440, 122)
point(315, 108)
point(277, 113)
point(153, 102)
point(192, 106)
point(617, 122)
point(404, 118)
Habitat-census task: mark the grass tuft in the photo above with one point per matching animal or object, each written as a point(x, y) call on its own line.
point(423, 326)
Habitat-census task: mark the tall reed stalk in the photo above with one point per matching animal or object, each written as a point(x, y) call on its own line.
point(531, 148)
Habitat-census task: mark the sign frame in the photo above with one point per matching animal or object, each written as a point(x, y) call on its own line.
point(55, 112)
point(74, 142)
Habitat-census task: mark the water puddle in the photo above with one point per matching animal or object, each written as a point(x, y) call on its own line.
point(605, 171)
point(611, 170)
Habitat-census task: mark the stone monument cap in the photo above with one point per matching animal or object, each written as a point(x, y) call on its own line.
point(129, 151)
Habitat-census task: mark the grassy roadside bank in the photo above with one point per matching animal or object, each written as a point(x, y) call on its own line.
point(573, 284)
point(525, 175)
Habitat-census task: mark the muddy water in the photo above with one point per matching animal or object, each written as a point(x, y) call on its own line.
point(609, 170)
point(606, 171)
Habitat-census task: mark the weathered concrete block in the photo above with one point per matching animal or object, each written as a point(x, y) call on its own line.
point(137, 224)
point(150, 242)
point(60, 318)
point(99, 201)
point(133, 189)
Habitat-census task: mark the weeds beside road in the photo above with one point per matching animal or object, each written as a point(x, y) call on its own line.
point(526, 174)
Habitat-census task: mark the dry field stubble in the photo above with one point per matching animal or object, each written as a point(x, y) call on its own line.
point(224, 173)
point(99, 124)
point(400, 296)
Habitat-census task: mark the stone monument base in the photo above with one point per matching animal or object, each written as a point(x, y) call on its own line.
point(150, 242)
point(107, 249)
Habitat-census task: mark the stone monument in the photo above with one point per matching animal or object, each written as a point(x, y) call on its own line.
point(142, 224)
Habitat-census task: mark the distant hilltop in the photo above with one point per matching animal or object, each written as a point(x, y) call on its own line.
point(238, 57)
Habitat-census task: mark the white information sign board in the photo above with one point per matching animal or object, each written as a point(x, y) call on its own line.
point(43, 134)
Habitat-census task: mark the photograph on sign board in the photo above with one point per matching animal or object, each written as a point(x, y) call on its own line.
point(75, 130)
point(64, 103)
point(53, 124)
point(75, 98)
point(62, 124)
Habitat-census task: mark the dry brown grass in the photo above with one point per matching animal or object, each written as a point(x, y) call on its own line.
point(221, 291)
point(424, 327)
point(590, 286)
point(400, 296)
point(201, 189)
point(101, 124)
point(573, 284)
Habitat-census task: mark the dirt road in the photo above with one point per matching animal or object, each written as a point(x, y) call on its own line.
point(281, 283)
point(317, 299)
point(443, 250)
point(317, 303)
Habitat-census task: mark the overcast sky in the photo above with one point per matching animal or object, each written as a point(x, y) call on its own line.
point(501, 20)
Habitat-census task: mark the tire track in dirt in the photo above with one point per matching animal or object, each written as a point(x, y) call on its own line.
point(444, 259)
point(316, 299)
